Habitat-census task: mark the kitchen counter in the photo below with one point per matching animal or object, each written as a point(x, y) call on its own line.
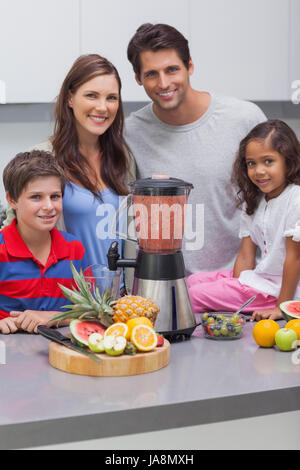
point(206, 381)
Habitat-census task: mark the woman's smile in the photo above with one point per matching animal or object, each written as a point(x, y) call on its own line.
point(98, 119)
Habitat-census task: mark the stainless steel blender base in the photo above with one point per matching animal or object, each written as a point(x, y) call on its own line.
point(176, 315)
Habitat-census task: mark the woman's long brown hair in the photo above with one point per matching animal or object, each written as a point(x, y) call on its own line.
point(282, 139)
point(114, 162)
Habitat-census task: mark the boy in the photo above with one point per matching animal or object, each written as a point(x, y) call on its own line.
point(34, 256)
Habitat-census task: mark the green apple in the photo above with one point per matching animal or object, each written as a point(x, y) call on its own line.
point(114, 345)
point(286, 339)
point(96, 342)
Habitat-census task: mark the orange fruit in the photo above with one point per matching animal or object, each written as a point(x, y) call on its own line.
point(138, 321)
point(294, 325)
point(143, 337)
point(117, 329)
point(264, 333)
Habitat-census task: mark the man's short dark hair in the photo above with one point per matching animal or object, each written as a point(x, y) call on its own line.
point(26, 167)
point(150, 37)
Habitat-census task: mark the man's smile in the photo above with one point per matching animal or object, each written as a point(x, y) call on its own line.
point(167, 94)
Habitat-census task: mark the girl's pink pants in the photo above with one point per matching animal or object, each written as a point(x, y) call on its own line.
point(219, 291)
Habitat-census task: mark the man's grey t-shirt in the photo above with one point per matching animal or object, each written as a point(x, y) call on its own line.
point(201, 153)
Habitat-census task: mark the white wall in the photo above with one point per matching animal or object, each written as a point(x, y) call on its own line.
point(17, 137)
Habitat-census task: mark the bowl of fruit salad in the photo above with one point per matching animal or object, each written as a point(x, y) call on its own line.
point(222, 325)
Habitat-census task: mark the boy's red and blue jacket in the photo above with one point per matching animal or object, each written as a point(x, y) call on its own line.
point(25, 284)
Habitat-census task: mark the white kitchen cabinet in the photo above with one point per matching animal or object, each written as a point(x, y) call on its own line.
point(241, 47)
point(245, 48)
point(107, 27)
point(39, 40)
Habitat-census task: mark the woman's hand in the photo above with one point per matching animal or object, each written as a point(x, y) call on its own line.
point(8, 325)
point(270, 313)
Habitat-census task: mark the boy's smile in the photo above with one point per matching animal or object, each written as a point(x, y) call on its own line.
point(266, 168)
point(39, 206)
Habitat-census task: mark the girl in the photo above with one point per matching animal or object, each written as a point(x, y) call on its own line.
point(89, 145)
point(267, 173)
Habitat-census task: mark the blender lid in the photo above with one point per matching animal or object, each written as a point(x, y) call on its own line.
point(160, 183)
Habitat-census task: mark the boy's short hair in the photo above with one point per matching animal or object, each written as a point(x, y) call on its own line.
point(27, 166)
point(153, 37)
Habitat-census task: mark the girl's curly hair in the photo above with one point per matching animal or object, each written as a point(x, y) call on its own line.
point(284, 141)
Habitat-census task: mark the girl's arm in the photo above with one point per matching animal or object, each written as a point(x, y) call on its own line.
point(290, 279)
point(246, 257)
point(291, 271)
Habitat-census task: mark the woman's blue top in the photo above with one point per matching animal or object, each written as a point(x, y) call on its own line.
point(90, 220)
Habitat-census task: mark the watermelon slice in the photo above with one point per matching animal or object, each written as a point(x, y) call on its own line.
point(81, 331)
point(290, 309)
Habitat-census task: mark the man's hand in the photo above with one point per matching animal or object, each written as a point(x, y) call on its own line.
point(8, 325)
point(271, 314)
point(29, 320)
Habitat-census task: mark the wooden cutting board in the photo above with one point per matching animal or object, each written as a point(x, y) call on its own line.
point(65, 359)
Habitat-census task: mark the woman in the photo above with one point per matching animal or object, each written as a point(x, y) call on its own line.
point(89, 145)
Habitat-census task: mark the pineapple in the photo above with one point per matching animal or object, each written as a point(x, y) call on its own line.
point(133, 306)
point(103, 308)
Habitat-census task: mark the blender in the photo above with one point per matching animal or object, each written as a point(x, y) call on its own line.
point(158, 206)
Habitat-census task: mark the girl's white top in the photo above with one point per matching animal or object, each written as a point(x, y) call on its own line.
point(268, 228)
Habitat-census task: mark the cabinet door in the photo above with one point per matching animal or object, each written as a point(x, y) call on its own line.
point(107, 28)
point(241, 47)
point(39, 40)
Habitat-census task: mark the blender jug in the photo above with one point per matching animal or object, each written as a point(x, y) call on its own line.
point(159, 206)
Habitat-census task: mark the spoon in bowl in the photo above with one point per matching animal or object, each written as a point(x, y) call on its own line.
point(245, 304)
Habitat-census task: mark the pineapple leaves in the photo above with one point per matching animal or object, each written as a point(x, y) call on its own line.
point(84, 304)
point(83, 286)
point(65, 316)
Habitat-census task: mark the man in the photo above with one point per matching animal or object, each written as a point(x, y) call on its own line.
point(192, 135)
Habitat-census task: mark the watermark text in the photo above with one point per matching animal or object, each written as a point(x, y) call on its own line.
point(154, 223)
point(296, 93)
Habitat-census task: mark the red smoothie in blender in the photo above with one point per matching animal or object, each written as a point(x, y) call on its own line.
point(159, 205)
